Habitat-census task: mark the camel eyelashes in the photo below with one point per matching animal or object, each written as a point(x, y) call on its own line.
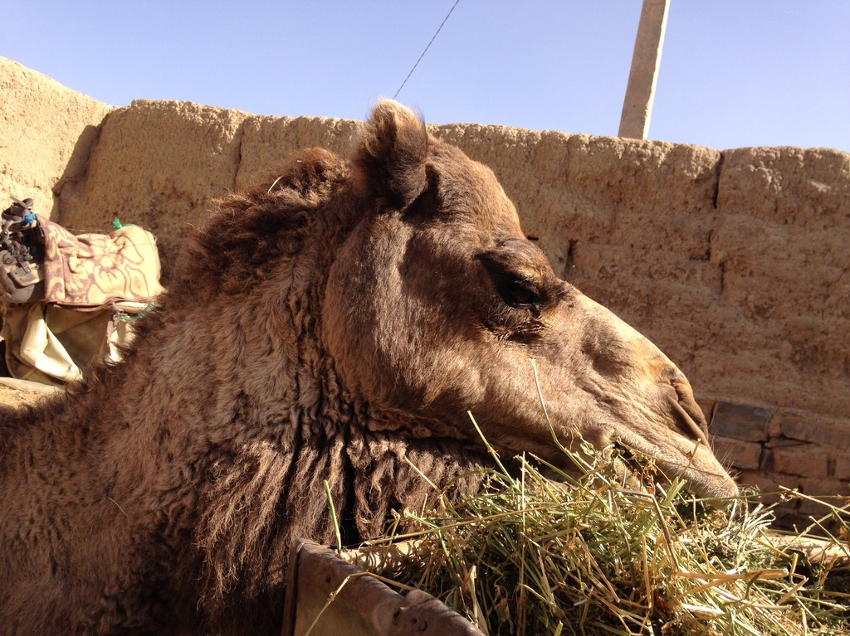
point(521, 294)
point(517, 289)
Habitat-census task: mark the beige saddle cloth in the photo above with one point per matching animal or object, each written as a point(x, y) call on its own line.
point(95, 285)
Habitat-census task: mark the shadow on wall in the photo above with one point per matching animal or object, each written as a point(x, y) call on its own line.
point(74, 175)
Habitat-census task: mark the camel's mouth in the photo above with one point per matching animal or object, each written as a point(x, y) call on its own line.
point(675, 439)
point(690, 460)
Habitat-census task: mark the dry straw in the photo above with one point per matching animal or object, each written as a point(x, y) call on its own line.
point(611, 553)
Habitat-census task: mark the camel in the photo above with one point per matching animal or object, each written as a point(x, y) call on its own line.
point(337, 323)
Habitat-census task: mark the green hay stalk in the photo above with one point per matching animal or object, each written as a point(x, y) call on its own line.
point(587, 556)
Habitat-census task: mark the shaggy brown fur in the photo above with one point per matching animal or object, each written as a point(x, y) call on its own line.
point(332, 328)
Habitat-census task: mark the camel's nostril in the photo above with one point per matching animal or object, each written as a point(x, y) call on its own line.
point(685, 410)
point(692, 427)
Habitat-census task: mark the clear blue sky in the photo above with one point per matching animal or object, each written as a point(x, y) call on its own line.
point(733, 73)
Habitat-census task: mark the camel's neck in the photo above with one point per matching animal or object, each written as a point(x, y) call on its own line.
point(200, 362)
point(259, 341)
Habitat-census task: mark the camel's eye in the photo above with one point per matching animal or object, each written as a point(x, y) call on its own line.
point(517, 280)
point(521, 294)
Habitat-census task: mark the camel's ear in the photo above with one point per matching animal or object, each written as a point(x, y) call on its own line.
point(389, 163)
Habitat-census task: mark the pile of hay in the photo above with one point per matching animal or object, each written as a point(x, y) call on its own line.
point(591, 555)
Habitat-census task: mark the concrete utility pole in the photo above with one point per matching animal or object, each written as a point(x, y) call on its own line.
point(637, 107)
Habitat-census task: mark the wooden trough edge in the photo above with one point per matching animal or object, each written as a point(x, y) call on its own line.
point(327, 595)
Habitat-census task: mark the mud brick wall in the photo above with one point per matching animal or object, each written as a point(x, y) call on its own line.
point(734, 262)
point(46, 132)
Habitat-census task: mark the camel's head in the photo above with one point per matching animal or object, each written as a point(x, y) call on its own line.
point(437, 303)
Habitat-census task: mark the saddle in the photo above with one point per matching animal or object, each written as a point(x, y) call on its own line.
point(69, 299)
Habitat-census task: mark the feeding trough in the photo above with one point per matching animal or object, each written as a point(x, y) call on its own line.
point(327, 595)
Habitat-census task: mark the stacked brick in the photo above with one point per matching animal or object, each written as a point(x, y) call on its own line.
point(777, 448)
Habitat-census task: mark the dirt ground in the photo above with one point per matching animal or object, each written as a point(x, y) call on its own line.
point(23, 394)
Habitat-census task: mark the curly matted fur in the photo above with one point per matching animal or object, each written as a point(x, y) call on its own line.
point(335, 325)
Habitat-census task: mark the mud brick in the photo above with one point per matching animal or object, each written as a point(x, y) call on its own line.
point(740, 454)
point(774, 430)
point(805, 460)
point(842, 467)
point(787, 512)
point(740, 421)
point(809, 427)
point(827, 489)
point(706, 405)
point(779, 442)
point(768, 488)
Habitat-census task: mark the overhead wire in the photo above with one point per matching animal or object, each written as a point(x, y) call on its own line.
point(426, 49)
